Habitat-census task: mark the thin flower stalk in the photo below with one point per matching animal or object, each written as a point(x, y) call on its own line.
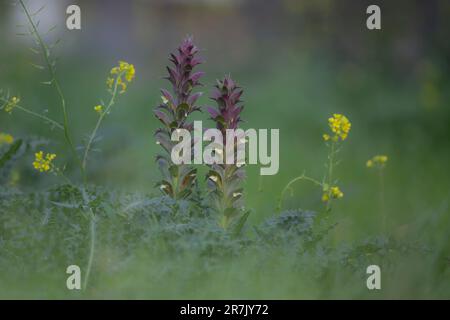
point(339, 129)
point(30, 112)
point(379, 163)
point(121, 75)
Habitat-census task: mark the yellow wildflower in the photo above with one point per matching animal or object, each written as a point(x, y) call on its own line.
point(115, 70)
point(98, 109)
point(11, 104)
point(125, 70)
point(378, 161)
point(340, 126)
point(6, 138)
point(110, 82)
point(130, 71)
point(326, 137)
point(334, 193)
point(122, 84)
point(43, 162)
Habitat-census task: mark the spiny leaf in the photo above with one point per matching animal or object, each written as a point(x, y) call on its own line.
point(240, 223)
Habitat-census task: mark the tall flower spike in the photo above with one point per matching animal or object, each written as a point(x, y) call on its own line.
point(173, 113)
point(225, 179)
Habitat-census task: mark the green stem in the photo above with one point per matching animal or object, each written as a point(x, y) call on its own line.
point(62, 175)
point(330, 164)
point(330, 173)
point(97, 126)
point(91, 249)
point(302, 177)
point(382, 206)
point(55, 82)
point(40, 116)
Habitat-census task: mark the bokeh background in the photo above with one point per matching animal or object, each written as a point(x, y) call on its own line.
point(298, 61)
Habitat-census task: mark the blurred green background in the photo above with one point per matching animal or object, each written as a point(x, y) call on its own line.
point(298, 62)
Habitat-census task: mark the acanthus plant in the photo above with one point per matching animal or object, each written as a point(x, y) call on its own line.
point(225, 179)
point(173, 112)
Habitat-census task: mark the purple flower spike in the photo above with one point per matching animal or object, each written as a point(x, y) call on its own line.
point(227, 95)
point(181, 76)
point(173, 113)
point(224, 179)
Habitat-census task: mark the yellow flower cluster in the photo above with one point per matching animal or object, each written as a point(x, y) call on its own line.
point(124, 73)
point(98, 109)
point(340, 126)
point(6, 138)
point(333, 193)
point(11, 104)
point(377, 161)
point(43, 162)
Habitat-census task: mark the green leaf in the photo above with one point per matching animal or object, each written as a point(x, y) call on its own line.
point(173, 169)
point(13, 149)
point(240, 223)
point(230, 212)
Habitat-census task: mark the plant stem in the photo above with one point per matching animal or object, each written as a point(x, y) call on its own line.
point(91, 249)
point(97, 126)
point(382, 206)
point(330, 173)
point(40, 116)
point(55, 82)
point(62, 175)
point(302, 177)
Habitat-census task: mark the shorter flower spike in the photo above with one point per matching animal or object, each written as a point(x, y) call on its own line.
point(227, 96)
point(224, 179)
